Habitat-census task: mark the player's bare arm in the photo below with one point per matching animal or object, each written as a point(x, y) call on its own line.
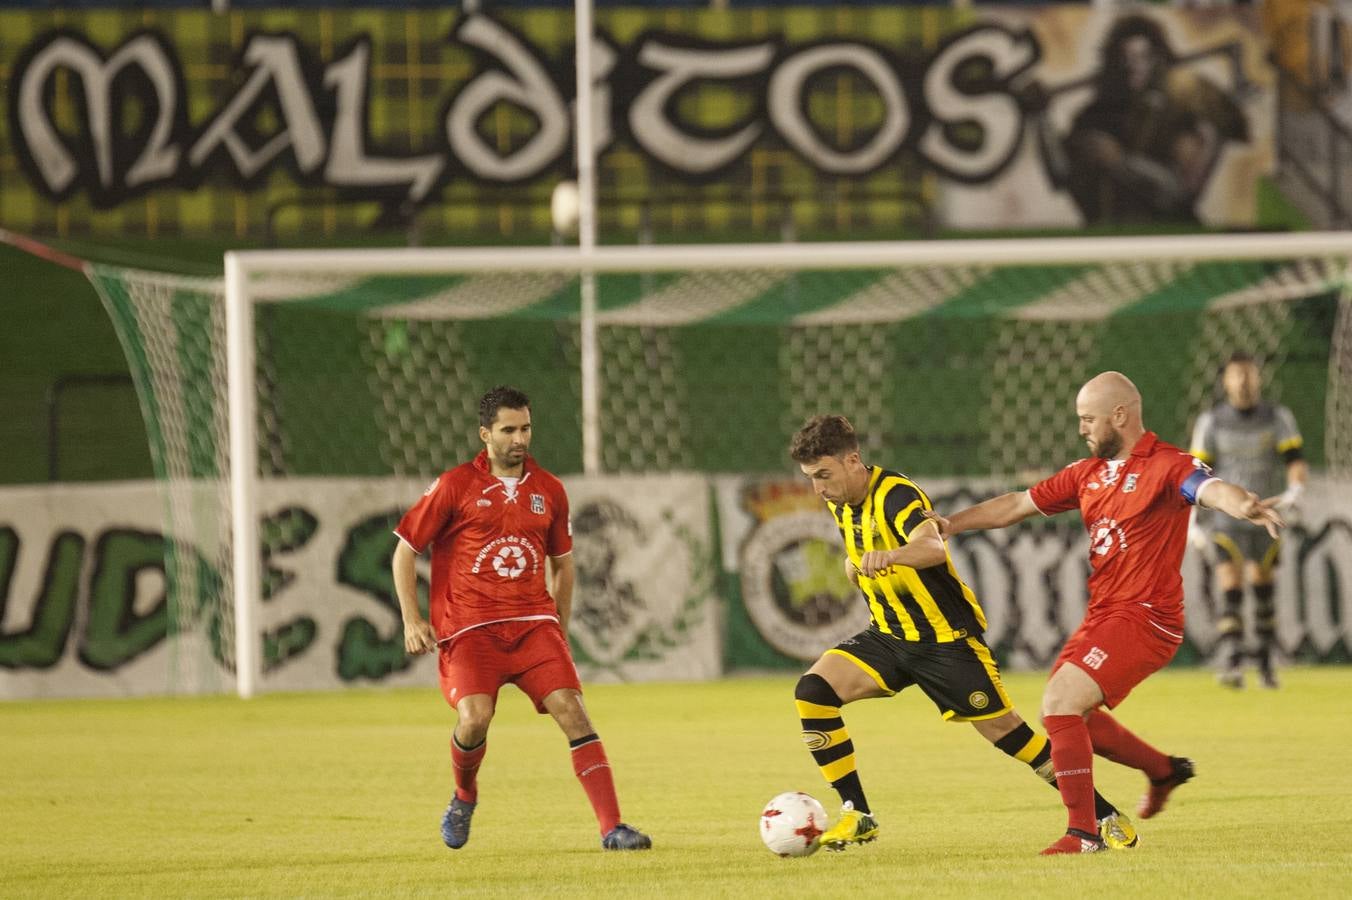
point(419, 638)
point(1235, 501)
point(924, 549)
point(998, 512)
point(562, 576)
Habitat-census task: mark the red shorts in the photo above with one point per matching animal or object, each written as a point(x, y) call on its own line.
point(1121, 647)
point(532, 655)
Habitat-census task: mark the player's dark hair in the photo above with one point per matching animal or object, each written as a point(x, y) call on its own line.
point(498, 398)
point(1240, 357)
point(823, 436)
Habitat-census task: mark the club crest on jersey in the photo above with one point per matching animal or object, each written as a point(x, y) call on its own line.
point(1130, 484)
point(537, 504)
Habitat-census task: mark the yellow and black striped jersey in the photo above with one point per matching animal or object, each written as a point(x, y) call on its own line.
point(930, 604)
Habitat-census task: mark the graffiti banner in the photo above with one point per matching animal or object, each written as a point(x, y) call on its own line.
point(791, 600)
point(87, 608)
point(183, 122)
point(1129, 118)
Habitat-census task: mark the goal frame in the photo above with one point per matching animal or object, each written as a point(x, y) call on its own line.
point(242, 266)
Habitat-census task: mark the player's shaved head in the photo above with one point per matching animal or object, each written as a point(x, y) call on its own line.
point(1109, 409)
point(1109, 390)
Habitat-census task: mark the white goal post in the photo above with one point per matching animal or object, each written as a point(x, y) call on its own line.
point(923, 267)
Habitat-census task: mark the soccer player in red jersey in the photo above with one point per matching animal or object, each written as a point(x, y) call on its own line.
point(1134, 493)
point(491, 524)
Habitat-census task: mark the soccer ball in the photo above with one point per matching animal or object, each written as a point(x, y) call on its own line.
point(792, 824)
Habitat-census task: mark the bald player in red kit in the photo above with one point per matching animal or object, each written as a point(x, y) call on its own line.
point(491, 524)
point(1135, 495)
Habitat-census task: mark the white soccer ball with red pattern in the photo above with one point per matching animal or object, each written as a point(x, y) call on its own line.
point(792, 824)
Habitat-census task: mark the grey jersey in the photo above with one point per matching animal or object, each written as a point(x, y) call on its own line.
point(1248, 447)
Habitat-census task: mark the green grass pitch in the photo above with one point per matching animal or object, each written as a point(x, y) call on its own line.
point(339, 794)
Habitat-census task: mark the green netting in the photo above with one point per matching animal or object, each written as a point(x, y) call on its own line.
point(172, 330)
point(958, 370)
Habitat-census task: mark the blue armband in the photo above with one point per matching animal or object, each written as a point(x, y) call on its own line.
point(1193, 483)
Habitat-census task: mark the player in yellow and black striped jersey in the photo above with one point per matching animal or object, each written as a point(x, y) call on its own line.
point(917, 604)
point(926, 629)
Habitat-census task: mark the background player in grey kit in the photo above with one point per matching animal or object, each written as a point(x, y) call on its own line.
point(1250, 442)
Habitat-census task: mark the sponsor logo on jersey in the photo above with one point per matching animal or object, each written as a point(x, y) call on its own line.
point(510, 561)
point(873, 531)
point(510, 556)
point(1105, 536)
point(1130, 484)
point(484, 501)
point(1096, 657)
point(537, 504)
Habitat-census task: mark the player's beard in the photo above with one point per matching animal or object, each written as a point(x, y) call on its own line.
point(1109, 446)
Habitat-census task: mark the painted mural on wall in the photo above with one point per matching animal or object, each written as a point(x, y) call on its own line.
point(89, 605)
point(86, 606)
point(1031, 580)
point(193, 122)
point(1134, 118)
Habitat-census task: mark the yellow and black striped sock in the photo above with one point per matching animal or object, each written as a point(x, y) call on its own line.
point(1027, 746)
point(1230, 627)
point(825, 735)
point(1265, 616)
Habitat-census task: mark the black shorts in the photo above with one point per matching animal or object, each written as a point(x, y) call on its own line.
point(961, 677)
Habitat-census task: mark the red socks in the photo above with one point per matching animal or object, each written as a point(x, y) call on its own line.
point(466, 763)
point(1113, 742)
point(593, 771)
point(589, 763)
point(1073, 761)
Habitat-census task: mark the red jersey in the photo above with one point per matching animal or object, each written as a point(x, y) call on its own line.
point(489, 544)
point(1136, 511)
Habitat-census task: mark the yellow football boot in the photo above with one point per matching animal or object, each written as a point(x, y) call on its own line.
point(1118, 832)
point(853, 827)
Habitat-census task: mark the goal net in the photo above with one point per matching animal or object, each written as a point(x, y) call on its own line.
point(951, 358)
